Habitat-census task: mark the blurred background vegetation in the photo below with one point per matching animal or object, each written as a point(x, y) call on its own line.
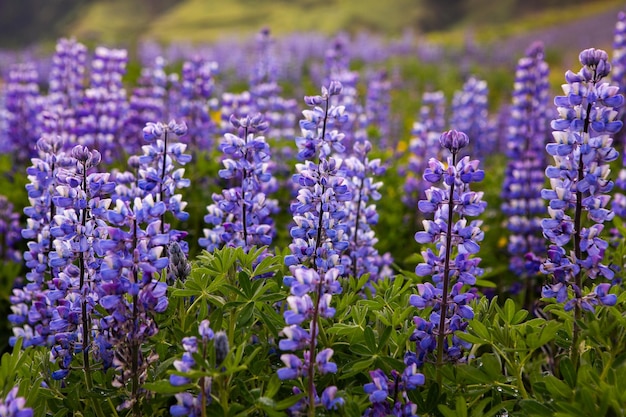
point(124, 22)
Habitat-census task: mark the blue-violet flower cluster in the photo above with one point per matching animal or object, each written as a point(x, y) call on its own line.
point(451, 264)
point(580, 184)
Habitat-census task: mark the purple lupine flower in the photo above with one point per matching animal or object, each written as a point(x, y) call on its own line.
point(423, 145)
point(580, 183)
point(31, 307)
point(178, 268)
point(521, 190)
point(189, 404)
point(99, 116)
point(338, 73)
point(196, 103)
point(360, 172)
point(319, 240)
point(158, 174)
point(234, 105)
point(320, 182)
point(618, 76)
point(450, 265)
point(265, 90)
point(66, 88)
point(378, 107)
point(23, 104)
point(389, 395)
point(618, 61)
point(147, 102)
point(131, 293)
point(14, 406)
point(10, 231)
point(470, 115)
point(76, 229)
point(240, 216)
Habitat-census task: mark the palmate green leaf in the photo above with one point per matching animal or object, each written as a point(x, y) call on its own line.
point(288, 402)
point(164, 387)
point(534, 408)
point(470, 338)
point(509, 311)
point(556, 387)
point(474, 375)
point(481, 331)
point(519, 316)
point(361, 349)
point(9, 363)
point(370, 339)
point(491, 365)
point(460, 409)
point(483, 283)
point(546, 334)
point(273, 386)
point(478, 409)
point(357, 367)
point(557, 310)
point(350, 331)
point(268, 265)
point(384, 338)
point(566, 367)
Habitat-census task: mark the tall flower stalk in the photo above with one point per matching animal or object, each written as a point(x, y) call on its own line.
point(319, 239)
point(423, 146)
point(240, 215)
point(524, 178)
point(361, 173)
point(77, 229)
point(579, 185)
point(131, 291)
point(158, 174)
point(450, 265)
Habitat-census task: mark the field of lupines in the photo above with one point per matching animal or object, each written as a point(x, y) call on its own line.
point(306, 235)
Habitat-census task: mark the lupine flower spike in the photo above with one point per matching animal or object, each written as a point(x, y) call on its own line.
point(579, 186)
point(197, 348)
point(240, 215)
point(319, 240)
point(451, 264)
point(618, 75)
point(524, 178)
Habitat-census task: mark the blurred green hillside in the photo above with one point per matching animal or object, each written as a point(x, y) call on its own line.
point(123, 22)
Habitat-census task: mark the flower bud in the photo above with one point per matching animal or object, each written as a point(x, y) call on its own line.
point(221, 347)
point(453, 140)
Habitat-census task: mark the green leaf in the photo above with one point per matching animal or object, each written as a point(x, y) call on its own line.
point(432, 398)
point(519, 316)
point(384, 337)
point(447, 411)
point(470, 338)
point(535, 408)
point(567, 371)
point(273, 386)
point(485, 283)
point(546, 334)
point(288, 402)
point(491, 366)
point(481, 330)
point(509, 310)
point(474, 375)
point(370, 339)
point(459, 411)
point(557, 387)
point(164, 387)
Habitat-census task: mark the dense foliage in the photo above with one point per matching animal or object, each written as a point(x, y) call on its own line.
point(198, 242)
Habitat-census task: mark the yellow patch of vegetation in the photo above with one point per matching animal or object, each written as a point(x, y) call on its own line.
point(110, 22)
